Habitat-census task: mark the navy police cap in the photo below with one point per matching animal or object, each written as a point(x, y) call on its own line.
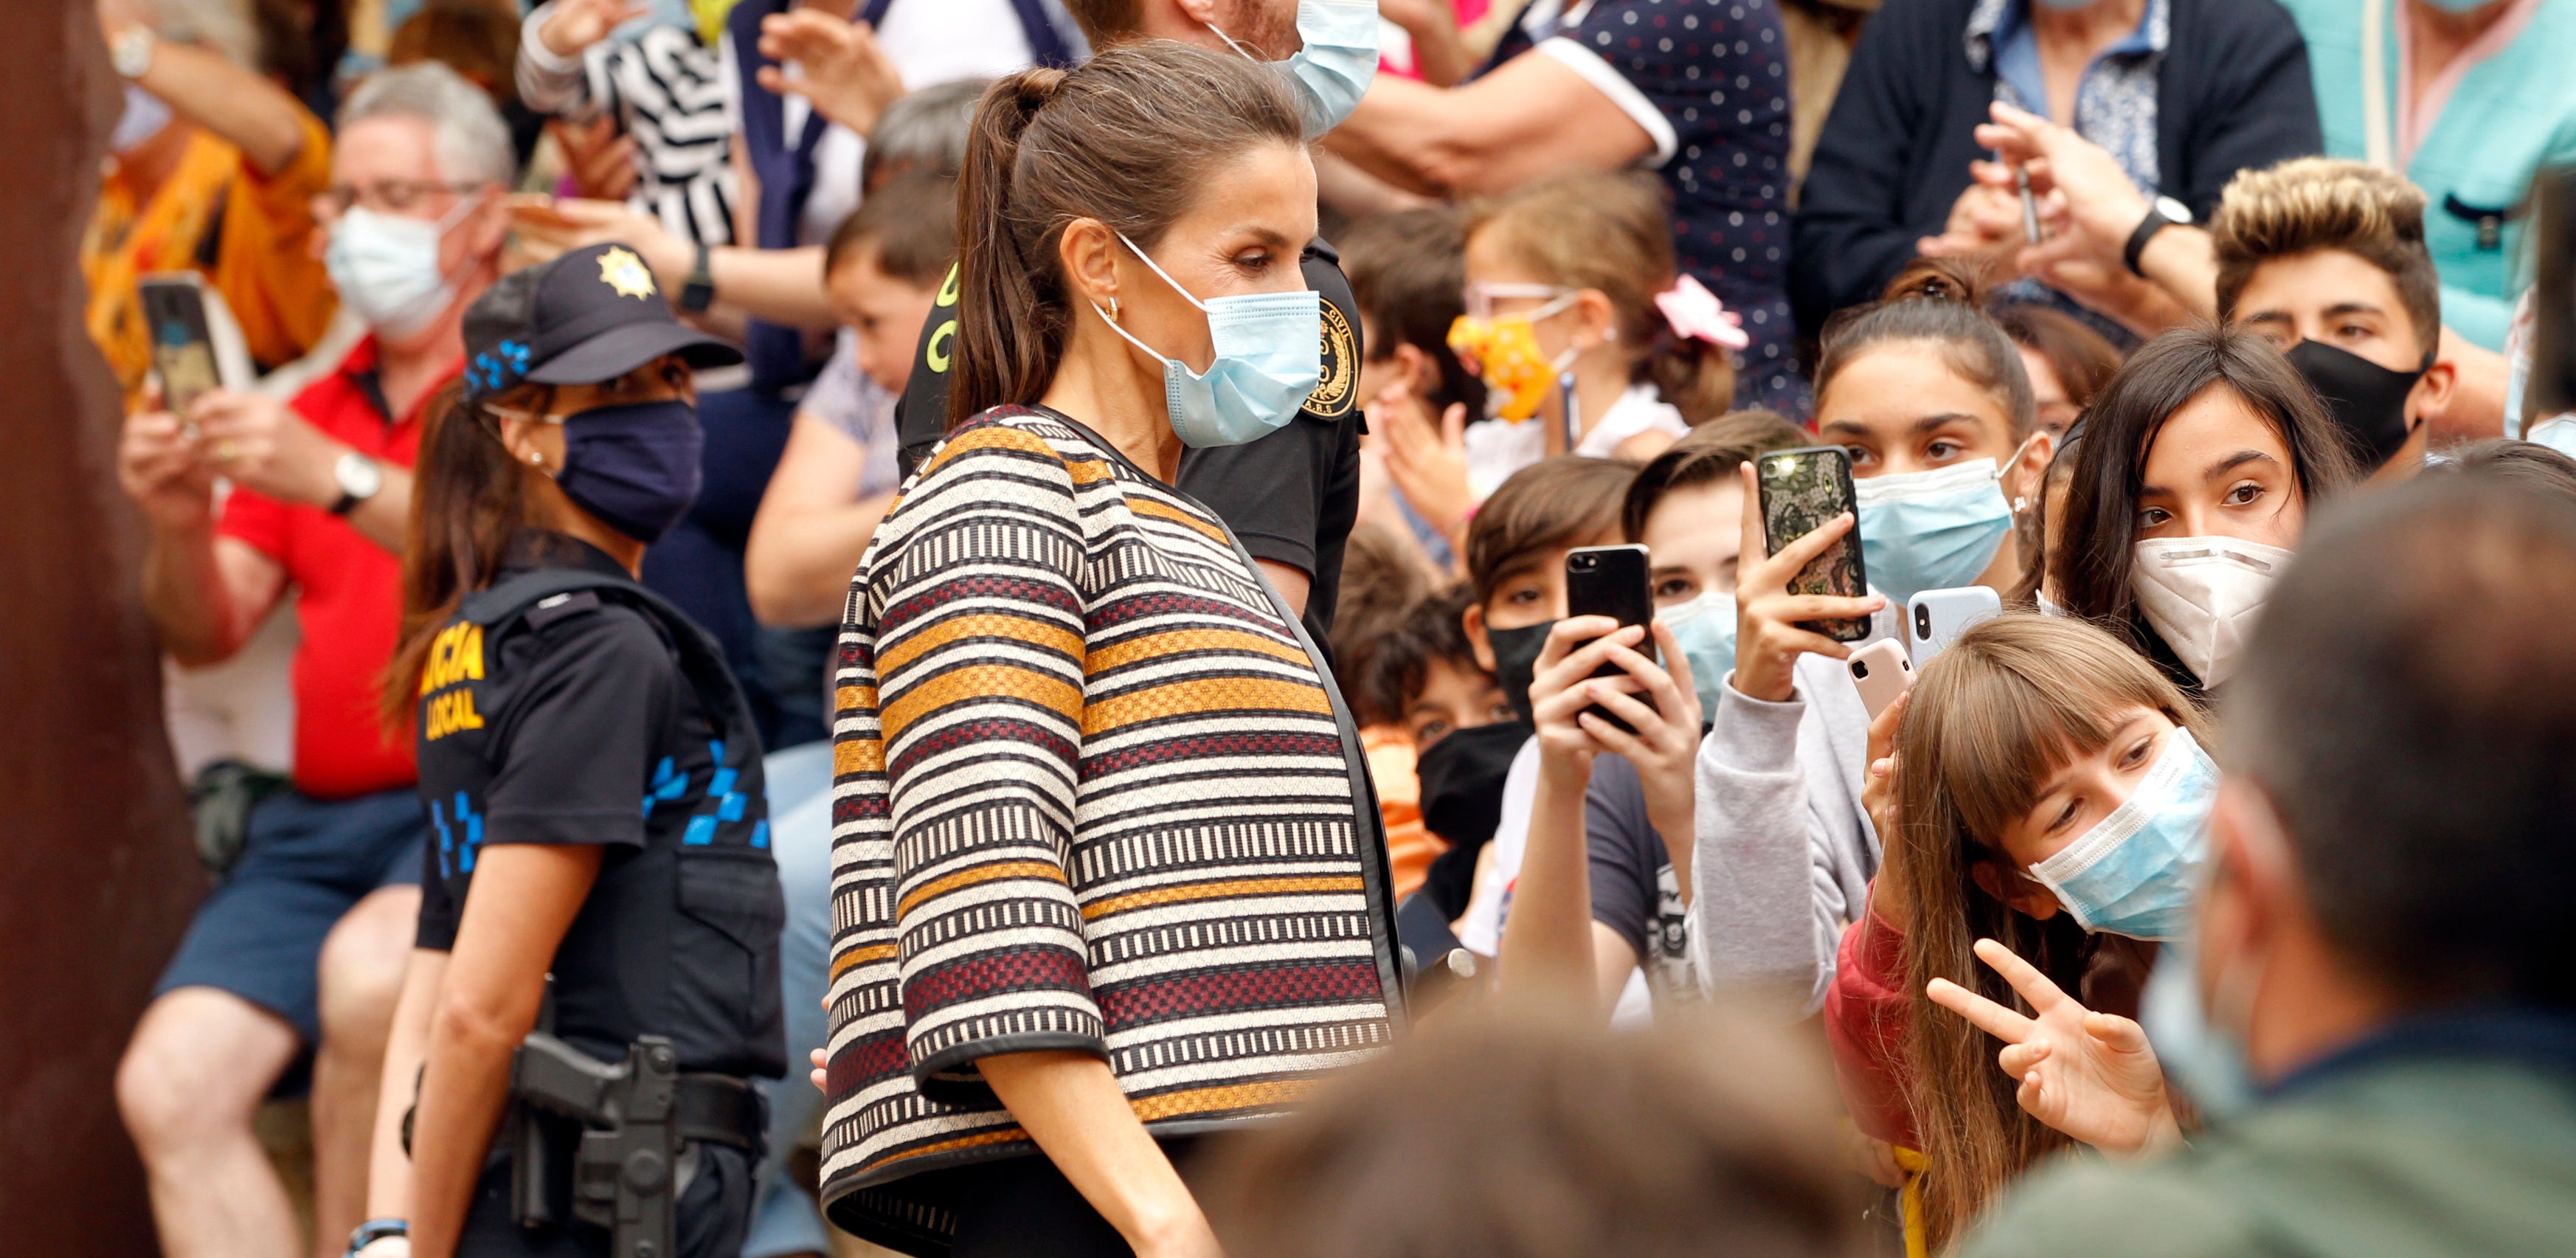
point(593, 314)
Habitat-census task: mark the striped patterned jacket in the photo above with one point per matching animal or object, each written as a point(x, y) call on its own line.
point(1091, 792)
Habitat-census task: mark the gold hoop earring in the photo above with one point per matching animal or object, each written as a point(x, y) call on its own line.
point(1113, 310)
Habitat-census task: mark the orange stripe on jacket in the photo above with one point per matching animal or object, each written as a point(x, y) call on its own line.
point(1156, 646)
point(982, 681)
point(963, 878)
point(996, 624)
point(1206, 694)
point(1214, 890)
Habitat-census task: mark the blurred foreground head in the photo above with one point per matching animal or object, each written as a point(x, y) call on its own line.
point(1514, 1132)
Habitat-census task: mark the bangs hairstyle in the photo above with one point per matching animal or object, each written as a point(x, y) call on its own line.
point(1991, 718)
point(1614, 234)
point(2096, 549)
point(1554, 503)
point(911, 223)
point(2312, 203)
point(1710, 452)
point(1936, 301)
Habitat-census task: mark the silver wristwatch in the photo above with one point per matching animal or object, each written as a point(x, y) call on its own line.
point(131, 51)
point(359, 477)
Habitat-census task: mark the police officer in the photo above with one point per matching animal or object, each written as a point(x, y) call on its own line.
point(597, 976)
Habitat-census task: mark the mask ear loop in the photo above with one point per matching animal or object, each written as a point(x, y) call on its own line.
point(2020, 502)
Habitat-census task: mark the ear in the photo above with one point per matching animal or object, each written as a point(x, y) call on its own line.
point(1088, 252)
point(1599, 319)
point(1203, 12)
point(1473, 621)
point(2028, 898)
point(519, 437)
point(1415, 373)
point(2029, 472)
point(489, 225)
point(2432, 394)
point(2250, 881)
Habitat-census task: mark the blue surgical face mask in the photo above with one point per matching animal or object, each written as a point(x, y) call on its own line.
point(145, 114)
point(1334, 69)
point(2207, 1059)
point(2558, 432)
point(1705, 630)
point(633, 465)
point(2136, 872)
point(1934, 530)
point(1268, 357)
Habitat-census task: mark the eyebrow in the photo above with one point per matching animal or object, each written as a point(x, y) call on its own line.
point(1914, 429)
point(2230, 463)
point(1265, 236)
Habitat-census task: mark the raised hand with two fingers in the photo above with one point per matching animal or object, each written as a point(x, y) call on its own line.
point(2090, 1075)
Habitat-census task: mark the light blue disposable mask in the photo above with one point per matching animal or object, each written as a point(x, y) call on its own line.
point(145, 114)
point(2558, 432)
point(1933, 530)
point(2135, 873)
point(1334, 69)
point(1269, 354)
point(1704, 628)
point(2208, 1060)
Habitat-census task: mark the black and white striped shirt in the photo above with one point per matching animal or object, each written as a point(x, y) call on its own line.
point(667, 90)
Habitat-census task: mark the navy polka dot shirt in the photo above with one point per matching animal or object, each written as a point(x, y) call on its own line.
point(1718, 73)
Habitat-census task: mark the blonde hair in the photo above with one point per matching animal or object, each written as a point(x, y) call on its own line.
point(2312, 203)
point(1613, 234)
point(1991, 719)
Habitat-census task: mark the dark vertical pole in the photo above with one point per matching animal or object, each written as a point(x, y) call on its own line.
point(96, 874)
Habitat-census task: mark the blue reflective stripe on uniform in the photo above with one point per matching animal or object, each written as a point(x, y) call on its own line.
point(446, 841)
point(668, 783)
point(760, 834)
point(701, 831)
point(473, 833)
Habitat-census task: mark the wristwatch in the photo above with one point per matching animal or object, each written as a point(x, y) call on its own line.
point(2163, 213)
point(131, 51)
point(359, 478)
point(700, 290)
point(374, 1230)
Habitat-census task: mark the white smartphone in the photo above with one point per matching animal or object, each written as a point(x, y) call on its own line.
point(1881, 673)
point(1935, 618)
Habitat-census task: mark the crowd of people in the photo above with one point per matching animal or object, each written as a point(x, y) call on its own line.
point(1197, 604)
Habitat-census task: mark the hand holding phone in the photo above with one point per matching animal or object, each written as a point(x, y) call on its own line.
point(1802, 490)
point(183, 342)
point(1776, 623)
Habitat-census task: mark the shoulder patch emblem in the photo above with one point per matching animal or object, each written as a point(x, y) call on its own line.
point(1337, 390)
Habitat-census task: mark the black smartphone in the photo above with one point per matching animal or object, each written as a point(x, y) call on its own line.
point(1611, 581)
point(1801, 490)
point(183, 349)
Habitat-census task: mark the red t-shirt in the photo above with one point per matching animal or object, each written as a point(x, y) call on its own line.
point(348, 593)
point(1866, 1016)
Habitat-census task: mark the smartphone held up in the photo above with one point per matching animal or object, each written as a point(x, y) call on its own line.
point(1802, 490)
point(1612, 581)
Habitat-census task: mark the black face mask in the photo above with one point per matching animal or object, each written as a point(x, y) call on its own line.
point(634, 465)
point(1516, 661)
point(1462, 781)
point(2368, 401)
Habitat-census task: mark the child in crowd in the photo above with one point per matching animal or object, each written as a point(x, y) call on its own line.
point(2326, 260)
point(1516, 566)
point(1408, 270)
point(1572, 280)
point(1383, 580)
point(1929, 397)
point(882, 270)
point(2196, 474)
point(2067, 361)
point(2029, 752)
point(1458, 735)
point(1601, 896)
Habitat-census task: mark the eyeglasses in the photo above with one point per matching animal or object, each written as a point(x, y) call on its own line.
point(1482, 295)
point(384, 196)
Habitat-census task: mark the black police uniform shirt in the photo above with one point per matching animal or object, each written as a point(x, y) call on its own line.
point(591, 733)
point(1291, 496)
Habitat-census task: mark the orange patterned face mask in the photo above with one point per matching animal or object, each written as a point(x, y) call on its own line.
point(1505, 352)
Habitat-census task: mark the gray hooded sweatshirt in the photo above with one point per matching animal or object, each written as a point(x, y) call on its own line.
point(1784, 851)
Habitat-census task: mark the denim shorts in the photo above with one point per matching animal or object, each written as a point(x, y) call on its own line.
point(305, 863)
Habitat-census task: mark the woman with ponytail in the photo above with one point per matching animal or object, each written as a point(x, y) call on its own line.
point(548, 694)
point(1107, 870)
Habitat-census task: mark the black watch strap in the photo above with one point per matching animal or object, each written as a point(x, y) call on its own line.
point(348, 502)
point(2154, 222)
point(699, 292)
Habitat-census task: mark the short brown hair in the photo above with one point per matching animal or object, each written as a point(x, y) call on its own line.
point(2084, 360)
point(1397, 665)
point(2311, 203)
point(1614, 234)
point(1939, 301)
point(1383, 578)
point(911, 223)
point(1513, 1132)
point(1408, 272)
point(1105, 22)
point(1709, 452)
point(1549, 505)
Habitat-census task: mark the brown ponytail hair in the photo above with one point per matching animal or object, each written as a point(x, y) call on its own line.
point(1938, 301)
point(468, 497)
point(1127, 138)
point(1614, 234)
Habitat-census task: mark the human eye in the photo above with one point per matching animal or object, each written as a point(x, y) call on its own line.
point(1430, 731)
point(2243, 494)
point(1943, 449)
point(2153, 517)
point(1861, 456)
point(2137, 753)
point(1256, 261)
point(1675, 589)
point(1500, 711)
point(2067, 813)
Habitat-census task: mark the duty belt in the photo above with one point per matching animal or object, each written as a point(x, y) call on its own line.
point(637, 1117)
